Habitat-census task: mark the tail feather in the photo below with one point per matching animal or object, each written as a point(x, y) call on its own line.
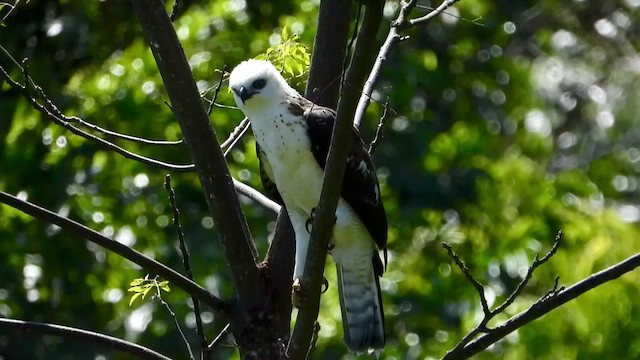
point(361, 305)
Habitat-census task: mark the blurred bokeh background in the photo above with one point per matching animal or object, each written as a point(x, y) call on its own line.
point(511, 120)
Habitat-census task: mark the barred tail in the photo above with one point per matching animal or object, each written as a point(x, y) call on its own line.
point(361, 305)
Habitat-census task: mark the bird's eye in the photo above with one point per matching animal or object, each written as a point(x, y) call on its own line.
point(259, 84)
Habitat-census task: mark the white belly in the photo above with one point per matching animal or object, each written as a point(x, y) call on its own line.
point(299, 177)
point(295, 170)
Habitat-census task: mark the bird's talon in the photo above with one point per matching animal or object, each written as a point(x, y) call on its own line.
point(325, 283)
point(308, 225)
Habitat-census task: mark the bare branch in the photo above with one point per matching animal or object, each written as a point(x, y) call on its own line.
point(363, 54)
point(379, 130)
point(235, 136)
point(490, 314)
point(280, 261)
point(219, 339)
point(66, 332)
point(331, 38)
point(476, 284)
point(242, 188)
point(256, 196)
point(83, 232)
point(185, 259)
point(323, 220)
point(402, 21)
point(544, 305)
point(536, 262)
point(47, 113)
point(177, 323)
point(437, 11)
point(211, 167)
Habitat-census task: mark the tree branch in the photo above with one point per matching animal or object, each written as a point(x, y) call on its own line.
point(401, 22)
point(324, 217)
point(544, 305)
point(50, 111)
point(144, 261)
point(280, 261)
point(552, 299)
point(488, 313)
point(185, 259)
point(328, 52)
point(363, 53)
point(379, 130)
point(82, 335)
point(211, 167)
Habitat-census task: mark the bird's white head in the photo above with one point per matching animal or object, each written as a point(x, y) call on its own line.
point(257, 84)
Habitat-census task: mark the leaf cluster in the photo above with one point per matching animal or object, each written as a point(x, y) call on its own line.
point(290, 56)
point(141, 287)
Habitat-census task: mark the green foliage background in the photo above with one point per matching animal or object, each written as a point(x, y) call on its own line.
point(504, 130)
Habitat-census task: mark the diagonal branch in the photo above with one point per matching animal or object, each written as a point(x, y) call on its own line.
point(364, 51)
point(488, 313)
point(324, 217)
point(222, 200)
point(67, 332)
point(401, 22)
point(545, 305)
point(50, 111)
point(50, 114)
point(185, 261)
point(83, 232)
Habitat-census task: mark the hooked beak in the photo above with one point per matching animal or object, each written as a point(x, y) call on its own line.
point(243, 93)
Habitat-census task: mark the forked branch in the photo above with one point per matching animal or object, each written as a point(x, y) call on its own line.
point(552, 299)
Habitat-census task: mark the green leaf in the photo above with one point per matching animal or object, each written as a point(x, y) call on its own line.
point(134, 297)
point(286, 33)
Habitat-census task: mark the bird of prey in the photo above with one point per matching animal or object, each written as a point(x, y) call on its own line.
point(292, 140)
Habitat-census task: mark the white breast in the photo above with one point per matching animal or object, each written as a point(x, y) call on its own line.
point(283, 138)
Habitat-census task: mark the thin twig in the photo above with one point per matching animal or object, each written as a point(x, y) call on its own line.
point(256, 196)
point(475, 21)
point(536, 262)
point(379, 130)
point(245, 190)
point(543, 306)
point(67, 332)
point(235, 136)
point(488, 313)
point(85, 233)
point(435, 12)
point(177, 323)
point(465, 270)
point(216, 91)
point(12, 8)
point(111, 146)
point(219, 339)
point(401, 22)
point(185, 258)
